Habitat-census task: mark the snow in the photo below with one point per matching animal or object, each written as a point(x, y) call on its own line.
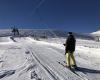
point(97, 33)
point(23, 58)
point(5, 40)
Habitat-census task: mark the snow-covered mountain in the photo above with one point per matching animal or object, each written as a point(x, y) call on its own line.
point(97, 33)
point(49, 33)
point(34, 32)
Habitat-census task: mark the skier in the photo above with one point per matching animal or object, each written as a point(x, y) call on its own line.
point(69, 51)
point(14, 30)
point(17, 31)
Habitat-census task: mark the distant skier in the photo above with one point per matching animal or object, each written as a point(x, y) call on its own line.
point(69, 51)
point(15, 31)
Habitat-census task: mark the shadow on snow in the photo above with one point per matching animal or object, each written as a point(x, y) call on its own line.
point(86, 70)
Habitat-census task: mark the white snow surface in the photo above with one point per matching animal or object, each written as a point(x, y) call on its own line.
point(97, 33)
point(5, 40)
point(29, 59)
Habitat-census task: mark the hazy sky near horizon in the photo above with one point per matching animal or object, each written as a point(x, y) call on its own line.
point(69, 15)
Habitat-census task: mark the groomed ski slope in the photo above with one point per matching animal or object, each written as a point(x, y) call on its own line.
point(28, 59)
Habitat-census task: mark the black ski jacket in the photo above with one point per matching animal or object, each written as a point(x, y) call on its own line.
point(70, 44)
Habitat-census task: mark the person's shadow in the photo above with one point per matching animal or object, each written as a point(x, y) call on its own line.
point(86, 70)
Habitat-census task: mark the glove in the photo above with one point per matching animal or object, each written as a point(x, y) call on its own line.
point(64, 44)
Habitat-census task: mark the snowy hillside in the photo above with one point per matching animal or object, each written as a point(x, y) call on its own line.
point(24, 58)
point(97, 33)
point(34, 32)
point(43, 33)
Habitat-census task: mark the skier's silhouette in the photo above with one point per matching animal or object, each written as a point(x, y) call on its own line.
point(15, 31)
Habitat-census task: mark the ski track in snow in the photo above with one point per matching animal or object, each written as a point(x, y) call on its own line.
point(55, 74)
point(27, 59)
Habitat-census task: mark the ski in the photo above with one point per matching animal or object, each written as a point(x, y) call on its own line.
point(79, 72)
point(67, 67)
point(78, 69)
point(73, 71)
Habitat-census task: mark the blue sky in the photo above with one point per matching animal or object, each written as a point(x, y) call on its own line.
point(69, 15)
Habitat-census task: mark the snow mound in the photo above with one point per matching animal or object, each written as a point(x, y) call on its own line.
point(4, 40)
point(97, 33)
point(46, 43)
